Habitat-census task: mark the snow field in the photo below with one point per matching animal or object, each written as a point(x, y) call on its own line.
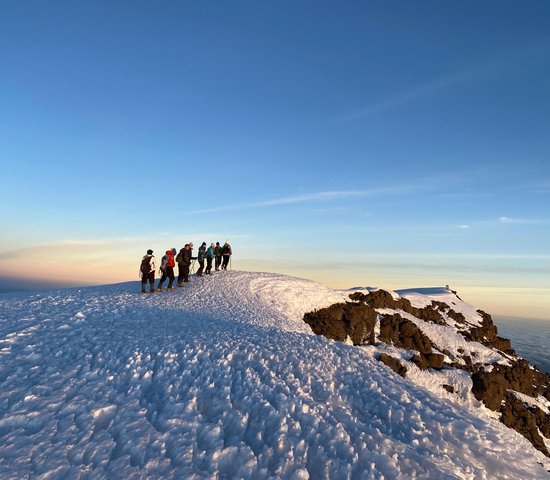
point(220, 379)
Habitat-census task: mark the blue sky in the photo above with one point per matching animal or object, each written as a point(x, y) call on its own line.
point(394, 144)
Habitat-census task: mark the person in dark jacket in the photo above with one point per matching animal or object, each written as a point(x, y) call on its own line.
point(147, 271)
point(184, 262)
point(201, 257)
point(167, 268)
point(209, 257)
point(226, 253)
point(218, 255)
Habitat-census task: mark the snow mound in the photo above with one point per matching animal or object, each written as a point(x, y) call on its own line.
point(221, 379)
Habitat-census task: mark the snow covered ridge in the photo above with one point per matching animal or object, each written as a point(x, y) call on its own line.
point(412, 331)
point(224, 379)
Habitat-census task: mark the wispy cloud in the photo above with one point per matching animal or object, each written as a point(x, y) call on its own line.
point(487, 67)
point(520, 221)
point(410, 95)
point(312, 197)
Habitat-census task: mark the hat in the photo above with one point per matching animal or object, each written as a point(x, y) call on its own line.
point(203, 244)
point(149, 252)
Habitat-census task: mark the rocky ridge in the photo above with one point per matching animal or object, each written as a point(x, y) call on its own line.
point(445, 337)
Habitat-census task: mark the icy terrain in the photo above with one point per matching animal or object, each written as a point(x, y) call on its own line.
point(222, 379)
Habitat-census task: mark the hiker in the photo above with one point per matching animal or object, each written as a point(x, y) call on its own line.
point(209, 257)
point(200, 257)
point(226, 253)
point(167, 268)
point(184, 262)
point(147, 271)
point(218, 255)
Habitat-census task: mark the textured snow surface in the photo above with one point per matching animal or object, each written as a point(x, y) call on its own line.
point(221, 379)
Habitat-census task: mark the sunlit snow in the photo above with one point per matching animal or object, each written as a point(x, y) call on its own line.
point(222, 379)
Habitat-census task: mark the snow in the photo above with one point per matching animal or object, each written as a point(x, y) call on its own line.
point(422, 297)
point(445, 337)
point(539, 402)
point(222, 379)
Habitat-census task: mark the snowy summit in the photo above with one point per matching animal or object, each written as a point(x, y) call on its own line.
point(224, 379)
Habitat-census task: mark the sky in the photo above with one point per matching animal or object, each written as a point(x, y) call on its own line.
point(391, 144)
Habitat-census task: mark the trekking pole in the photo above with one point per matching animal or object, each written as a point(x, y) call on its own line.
point(193, 266)
point(230, 263)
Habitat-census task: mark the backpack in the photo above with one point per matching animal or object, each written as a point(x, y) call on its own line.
point(171, 261)
point(226, 250)
point(145, 267)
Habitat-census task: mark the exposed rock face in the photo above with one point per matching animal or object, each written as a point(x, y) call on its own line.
point(342, 320)
point(525, 420)
point(394, 364)
point(493, 384)
point(398, 331)
point(383, 299)
point(486, 334)
point(428, 360)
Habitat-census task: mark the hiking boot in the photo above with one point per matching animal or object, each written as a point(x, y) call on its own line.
point(180, 284)
point(170, 288)
point(152, 290)
point(159, 289)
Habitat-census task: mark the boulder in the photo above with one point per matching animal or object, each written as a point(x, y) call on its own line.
point(400, 332)
point(394, 364)
point(343, 320)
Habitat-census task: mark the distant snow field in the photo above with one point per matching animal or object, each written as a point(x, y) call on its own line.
point(223, 379)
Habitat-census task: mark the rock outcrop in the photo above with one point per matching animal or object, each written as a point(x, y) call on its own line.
point(344, 320)
point(510, 386)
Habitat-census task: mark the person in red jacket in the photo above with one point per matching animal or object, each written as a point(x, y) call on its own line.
point(167, 269)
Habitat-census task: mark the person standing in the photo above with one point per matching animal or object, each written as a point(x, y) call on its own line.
point(201, 257)
point(147, 271)
point(209, 257)
point(181, 267)
point(184, 262)
point(167, 268)
point(226, 253)
point(218, 255)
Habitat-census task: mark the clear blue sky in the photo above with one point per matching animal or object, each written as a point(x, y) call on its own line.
point(395, 143)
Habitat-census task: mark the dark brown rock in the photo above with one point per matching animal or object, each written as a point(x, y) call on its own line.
point(328, 322)
point(486, 334)
point(456, 316)
point(394, 364)
point(449, 388)
point(490, 388)
point(428, 360)
point(434, 360)
point(383, 299)
point(493, 389)
point(514, 414)
point(360, 321)
point(342, 320)
point(398, 331)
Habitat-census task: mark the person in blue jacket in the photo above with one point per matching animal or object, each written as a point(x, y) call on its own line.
point(210, 254)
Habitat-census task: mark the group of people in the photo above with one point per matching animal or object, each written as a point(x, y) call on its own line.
point(214, 254)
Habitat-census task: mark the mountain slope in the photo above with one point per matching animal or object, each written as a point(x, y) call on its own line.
point(221, 379)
